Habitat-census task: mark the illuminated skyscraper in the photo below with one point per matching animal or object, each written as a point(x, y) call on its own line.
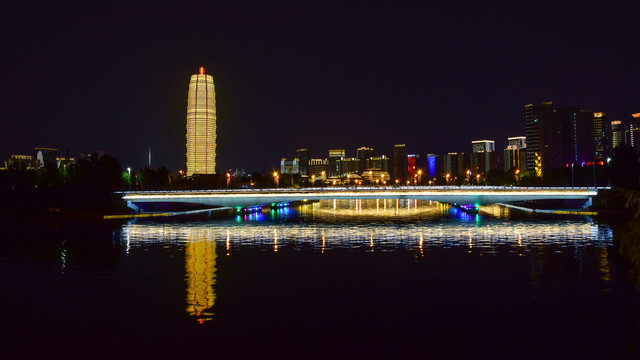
point(201, 125)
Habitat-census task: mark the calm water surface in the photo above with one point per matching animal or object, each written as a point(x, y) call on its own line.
point(334, 279)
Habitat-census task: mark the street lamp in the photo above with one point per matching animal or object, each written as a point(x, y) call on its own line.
point(228, 180)
point(478, 179)
point(276, 178)
point(447, 177)
point(517, 176)
point(572, 174)
point(129, 171)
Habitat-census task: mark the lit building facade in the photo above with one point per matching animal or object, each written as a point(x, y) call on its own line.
point(201, 125)
point(378, 163)
point(318, 167)
point(538, 131)
point(434, 166)
point(483, 157)
point(290, 166)
point(617, 133)
point(601, 136)
point(632, 132)
point(515, 155)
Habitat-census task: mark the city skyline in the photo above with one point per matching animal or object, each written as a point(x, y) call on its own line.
point(433, 78)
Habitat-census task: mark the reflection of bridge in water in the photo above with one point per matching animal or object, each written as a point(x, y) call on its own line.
point(205, 242)
point(473, 196)
point(470, 231)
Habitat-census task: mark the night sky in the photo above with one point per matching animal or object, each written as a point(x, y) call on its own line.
point(114, 78)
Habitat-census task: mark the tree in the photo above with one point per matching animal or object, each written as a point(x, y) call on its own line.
point(624, 170)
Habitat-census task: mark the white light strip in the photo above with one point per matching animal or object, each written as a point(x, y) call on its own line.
point(580, 193)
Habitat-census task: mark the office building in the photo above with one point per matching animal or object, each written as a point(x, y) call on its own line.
point(574, 137)
point(601, 136)
point(515, 155)
point(617, 133)
point(539, 134)
point(632, 132)
point(347, 166)
point(414, 164)
point(201, 125)
point(483, 157)
point(434, 166)
point(400, 163)
point(559, 137)
point(334, 156)
point(290, 166)
point(378, 163)
point(318, 167)
point(303, 157)
point(456, 164)
point(364, 154)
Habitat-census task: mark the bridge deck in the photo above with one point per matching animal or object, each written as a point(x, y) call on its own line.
point(466, 195)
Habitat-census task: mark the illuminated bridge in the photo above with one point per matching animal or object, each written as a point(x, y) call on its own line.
point(468, 196)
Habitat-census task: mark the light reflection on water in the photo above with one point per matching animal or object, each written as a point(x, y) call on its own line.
point(367, 224)
point(364, 226)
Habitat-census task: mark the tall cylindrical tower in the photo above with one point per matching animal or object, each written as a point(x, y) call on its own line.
point(201, 125)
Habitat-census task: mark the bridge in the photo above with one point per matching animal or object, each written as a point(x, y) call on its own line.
point(467, 196)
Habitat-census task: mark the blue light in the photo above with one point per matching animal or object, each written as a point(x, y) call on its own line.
point(431, 166)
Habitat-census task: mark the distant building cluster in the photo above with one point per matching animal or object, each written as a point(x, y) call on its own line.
point(39, 158)
point(555, 138)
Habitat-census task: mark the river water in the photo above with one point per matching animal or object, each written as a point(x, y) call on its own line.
point(332, 279)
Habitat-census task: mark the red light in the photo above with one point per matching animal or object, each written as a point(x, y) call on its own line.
point(201, 70)
point(567, 165)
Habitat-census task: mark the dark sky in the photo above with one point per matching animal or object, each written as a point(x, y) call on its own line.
point(292, 74)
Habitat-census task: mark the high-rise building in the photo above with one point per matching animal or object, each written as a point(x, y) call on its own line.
point(562, 136)
point(632, 132)
point(363, 154)
point(617, 133)
point(515, 155)
point(455, 164)
point(400, 162)
point(347, 166)
point(601, 136)
point(434, 166)
point(538, 131)
point(201, 125)
point(483, 157)
point(574, 138)
point(318, 167)
point(414, 164)
point(334, 156)
point(303, 156)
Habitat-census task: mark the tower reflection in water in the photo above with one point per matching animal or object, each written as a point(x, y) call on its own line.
point(200, 266)
point(428, 225)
